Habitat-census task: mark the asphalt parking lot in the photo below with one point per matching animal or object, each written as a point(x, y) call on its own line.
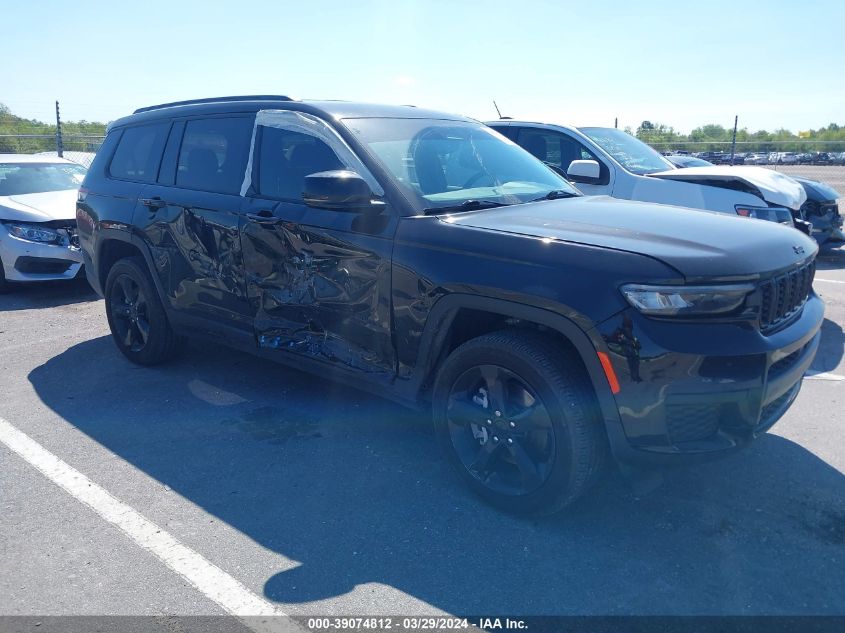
point(833, 175)
point(322, 500)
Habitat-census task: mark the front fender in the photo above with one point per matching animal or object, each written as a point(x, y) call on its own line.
point(443, 313)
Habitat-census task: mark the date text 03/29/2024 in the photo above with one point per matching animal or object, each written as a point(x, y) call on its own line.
point(414, 624)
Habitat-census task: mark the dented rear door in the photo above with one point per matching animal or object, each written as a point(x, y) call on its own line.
point(191, 218)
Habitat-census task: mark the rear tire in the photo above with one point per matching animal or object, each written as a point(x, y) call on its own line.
point(136, 315)
point(518, 419)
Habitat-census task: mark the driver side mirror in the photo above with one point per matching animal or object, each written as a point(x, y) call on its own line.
point(584, 171)
point(340, 190)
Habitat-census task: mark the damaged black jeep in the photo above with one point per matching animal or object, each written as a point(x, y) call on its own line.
point(425, 257)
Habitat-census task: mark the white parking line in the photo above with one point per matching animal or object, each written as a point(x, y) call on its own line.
point(830, 281)
point(210, 580)
point(825, 376)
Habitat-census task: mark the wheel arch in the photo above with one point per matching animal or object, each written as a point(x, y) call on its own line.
point(446, 328)
point(116, 245)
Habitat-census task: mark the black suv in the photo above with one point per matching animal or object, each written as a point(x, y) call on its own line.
point(425, 257)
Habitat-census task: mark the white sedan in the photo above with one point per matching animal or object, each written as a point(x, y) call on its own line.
point(38, 218)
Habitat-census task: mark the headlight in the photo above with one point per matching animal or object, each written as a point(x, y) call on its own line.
point(686, 300)
point(34, 233)
point(772, 214)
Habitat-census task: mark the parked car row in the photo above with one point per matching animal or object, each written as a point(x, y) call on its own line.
point(821, 158)
point(454, 267)
point(766, 158)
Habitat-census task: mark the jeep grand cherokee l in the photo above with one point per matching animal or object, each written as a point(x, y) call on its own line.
point(425, 257)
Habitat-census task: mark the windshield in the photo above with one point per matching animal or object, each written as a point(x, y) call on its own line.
point(448, 163)
point(21, 178)
point(630, 152)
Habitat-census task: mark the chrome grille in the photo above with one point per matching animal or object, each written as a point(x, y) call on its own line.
point(784, 295)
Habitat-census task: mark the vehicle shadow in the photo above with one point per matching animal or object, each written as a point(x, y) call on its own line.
point(831, 348)
point(831, 256)
point(354, 489)
point(47, 294)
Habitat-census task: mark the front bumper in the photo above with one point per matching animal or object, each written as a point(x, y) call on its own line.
point(826, 220)
point(693, 390)
point(25, 261)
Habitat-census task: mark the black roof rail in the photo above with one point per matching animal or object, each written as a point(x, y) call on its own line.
point(215, 100)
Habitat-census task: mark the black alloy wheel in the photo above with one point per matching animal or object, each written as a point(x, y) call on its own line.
point(129, 313)
point(517, 417)
point(500, 430)
point(136, 316)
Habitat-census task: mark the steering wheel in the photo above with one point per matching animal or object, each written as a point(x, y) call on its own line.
point(473, 179)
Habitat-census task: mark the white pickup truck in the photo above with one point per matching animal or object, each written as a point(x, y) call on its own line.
point(607, 161)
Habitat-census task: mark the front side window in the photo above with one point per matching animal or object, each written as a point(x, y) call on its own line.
point(290, 145)
point(138, 152)
point(634, 155)
point(214, 154)
point(17, 179)
point(287, 157)
point(554, 148)
point(442, 163)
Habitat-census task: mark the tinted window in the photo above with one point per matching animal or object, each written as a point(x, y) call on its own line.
point(506, 130)
point(287, 157)
point(139, 152)
point(214, 154)
point(553, 147)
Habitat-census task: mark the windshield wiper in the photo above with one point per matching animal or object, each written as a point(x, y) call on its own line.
point(468, 205)
point(557, 194)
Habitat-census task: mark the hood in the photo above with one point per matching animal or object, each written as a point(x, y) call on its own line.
point(39, 207)
point(698, 244)
point(770, 185)
point(818, 191)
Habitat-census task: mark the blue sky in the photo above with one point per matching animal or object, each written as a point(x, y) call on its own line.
point(775, 63)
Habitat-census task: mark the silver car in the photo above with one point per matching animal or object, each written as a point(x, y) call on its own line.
point(38, 218)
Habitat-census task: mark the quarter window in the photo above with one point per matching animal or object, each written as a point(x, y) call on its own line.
point(138, 152)
point(214, 154)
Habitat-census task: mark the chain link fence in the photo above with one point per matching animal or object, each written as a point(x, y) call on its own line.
point(79, 148)
point(816, 160)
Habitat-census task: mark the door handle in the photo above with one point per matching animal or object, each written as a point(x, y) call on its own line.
point(263, 217)
point(153, 203)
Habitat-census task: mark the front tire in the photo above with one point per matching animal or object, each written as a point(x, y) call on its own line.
point(518, 419)
point(136, 316)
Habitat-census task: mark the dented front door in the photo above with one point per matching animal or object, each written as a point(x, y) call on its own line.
point(319, 283)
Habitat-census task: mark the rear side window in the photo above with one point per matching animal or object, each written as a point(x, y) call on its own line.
point(214, 154)
point(506, 130)
point(138, 152)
